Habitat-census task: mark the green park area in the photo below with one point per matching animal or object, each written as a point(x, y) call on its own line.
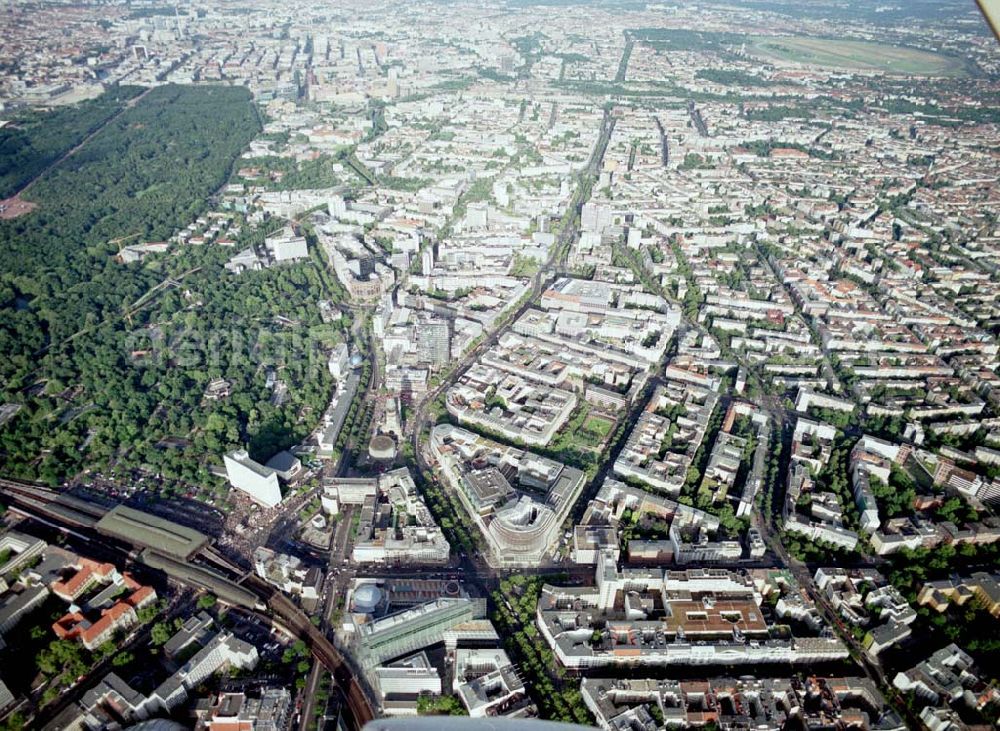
point(855, 55)
point(580, 440)
point(35, 139)
point(105, 382)
point(597, 426)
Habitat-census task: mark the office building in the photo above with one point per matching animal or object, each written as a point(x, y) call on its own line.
point(651, 617)
point(947, 678)
point(434, 343)
point(253, 478)
point(339, 363)
point(487, 682)
point(403, 681)
point(267, 710)
point(20, 550)
point(412, 629)
point(16, 606)
point(287, 247)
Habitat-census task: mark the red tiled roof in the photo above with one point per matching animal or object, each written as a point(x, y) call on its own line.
point(141, 595)
point(88, 571)
point(107, 620)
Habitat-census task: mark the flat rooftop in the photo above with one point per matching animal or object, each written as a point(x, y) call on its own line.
point(715, 618)
point(488, 485)
point(149, 531)
point(241, 457)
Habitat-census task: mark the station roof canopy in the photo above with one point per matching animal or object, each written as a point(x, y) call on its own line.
point(149, 531)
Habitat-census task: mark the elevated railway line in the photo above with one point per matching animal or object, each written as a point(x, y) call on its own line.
point(207, 570)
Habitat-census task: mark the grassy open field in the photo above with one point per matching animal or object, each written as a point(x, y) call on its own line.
point(597, 426)
point(859, 55)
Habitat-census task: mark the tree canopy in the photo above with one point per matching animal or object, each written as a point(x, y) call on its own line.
point(98, 387)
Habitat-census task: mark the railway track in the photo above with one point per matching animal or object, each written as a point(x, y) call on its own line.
point(358, 706)
point(67, 512)
point(29, 499)
point(26, 488)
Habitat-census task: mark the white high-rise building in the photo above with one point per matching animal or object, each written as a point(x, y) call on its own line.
point(339, 362)
point(337, 206)
point(256, 480)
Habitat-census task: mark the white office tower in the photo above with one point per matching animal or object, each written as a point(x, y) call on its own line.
point(607, 579)
point(223, 649)
point(382, 315)
point(337, 206)
point(256, 480)
point(427, 261)
point(339, 362)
